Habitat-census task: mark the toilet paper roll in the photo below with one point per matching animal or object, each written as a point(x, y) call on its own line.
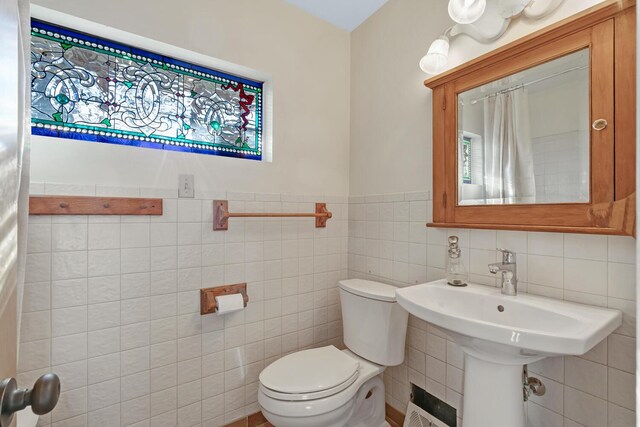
point(229, 303)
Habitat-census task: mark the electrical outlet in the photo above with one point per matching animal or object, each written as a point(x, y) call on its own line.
point(186, 187)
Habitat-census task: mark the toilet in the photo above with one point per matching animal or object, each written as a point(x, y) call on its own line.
point(327, 387)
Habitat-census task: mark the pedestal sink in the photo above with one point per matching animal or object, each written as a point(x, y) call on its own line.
point(499, 334)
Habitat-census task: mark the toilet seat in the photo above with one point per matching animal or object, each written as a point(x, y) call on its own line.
point(309, 396)
point(318, 412)
point(309, 374)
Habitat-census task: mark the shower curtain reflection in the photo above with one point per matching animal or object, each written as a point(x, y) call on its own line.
point(508, 159)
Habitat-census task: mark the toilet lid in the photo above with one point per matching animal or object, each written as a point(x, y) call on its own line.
point(369, 289)
point(310, 371)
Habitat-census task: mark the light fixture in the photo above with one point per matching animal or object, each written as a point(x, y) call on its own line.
point(510, 8)
point(482, 22)
point(435, 61)
point(466, 11)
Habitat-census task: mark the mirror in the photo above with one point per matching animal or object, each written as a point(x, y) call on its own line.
point(525, 138)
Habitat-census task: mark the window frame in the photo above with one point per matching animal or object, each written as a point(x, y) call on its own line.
point(178, 54)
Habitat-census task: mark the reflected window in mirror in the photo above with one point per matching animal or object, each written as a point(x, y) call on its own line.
point(524, 138)
point(466, 160)
point(471, 172)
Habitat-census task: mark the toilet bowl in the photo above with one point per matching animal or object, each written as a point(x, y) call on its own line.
point(324, 403)
point(327, 387)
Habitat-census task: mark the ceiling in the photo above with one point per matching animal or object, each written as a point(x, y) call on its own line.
point(345, 14)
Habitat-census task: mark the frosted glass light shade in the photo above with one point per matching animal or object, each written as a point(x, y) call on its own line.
point(466, 11)
point(510, 8)
point(435, 61)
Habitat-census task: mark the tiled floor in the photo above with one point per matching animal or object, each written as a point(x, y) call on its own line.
point(393, 423)
point(253, 420)
point(258, 417)
point(390, 421)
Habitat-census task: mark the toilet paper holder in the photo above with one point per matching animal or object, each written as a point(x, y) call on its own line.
point(208, 296)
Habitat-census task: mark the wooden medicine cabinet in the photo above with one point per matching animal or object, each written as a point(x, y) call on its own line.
point(540, 135)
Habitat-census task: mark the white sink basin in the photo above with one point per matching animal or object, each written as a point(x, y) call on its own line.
point(499, 334)
point(535, 326)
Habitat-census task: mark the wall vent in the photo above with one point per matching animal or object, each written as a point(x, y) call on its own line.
point(418, 417)
point(436, 409)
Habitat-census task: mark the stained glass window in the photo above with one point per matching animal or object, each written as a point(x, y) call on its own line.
point(88, 88)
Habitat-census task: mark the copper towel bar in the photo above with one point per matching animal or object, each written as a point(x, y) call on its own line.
point(221, 215)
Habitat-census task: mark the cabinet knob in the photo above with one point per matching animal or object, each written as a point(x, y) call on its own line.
point(599, 124)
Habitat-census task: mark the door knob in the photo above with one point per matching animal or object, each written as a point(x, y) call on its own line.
point(42, 398)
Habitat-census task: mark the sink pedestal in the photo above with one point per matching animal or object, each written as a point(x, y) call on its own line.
point(499, 334)
point(492, 394)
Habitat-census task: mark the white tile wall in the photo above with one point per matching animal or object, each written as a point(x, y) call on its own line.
point(388, 242)
point(112, 305)
point(561, 166)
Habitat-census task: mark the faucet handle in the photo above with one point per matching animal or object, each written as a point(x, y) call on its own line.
point(508, 257)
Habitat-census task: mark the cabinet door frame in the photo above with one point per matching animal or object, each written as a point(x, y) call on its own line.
point(594, 29)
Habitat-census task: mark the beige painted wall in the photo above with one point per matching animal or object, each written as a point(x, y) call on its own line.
point(390, 109)
point(307, 58)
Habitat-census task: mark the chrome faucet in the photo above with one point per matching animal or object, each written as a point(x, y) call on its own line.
point(509, 272)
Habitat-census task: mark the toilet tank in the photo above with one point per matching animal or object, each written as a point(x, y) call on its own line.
point(373, 323)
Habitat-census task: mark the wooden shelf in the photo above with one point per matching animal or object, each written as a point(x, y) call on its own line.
point(81, 205)
point(539, 228)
